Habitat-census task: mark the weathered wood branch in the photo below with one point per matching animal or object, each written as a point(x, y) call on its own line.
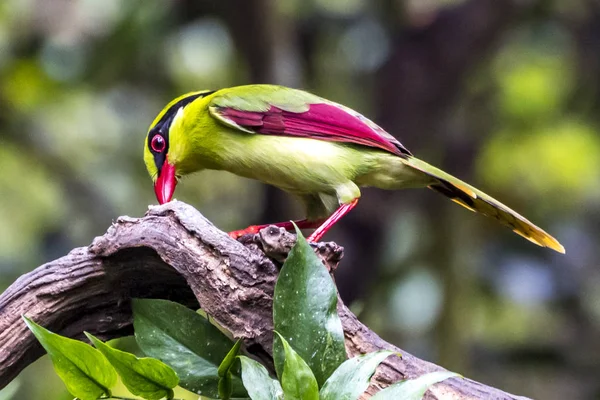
point(175, 253)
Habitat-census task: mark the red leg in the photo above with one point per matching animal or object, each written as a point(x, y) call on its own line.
point(302, 224)
point(336, 216)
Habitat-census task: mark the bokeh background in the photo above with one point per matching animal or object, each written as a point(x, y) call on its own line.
point(502, 93)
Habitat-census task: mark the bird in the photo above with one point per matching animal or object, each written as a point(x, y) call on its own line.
point(319, 151)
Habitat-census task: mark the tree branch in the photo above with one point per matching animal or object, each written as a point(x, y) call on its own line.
point(175, 253)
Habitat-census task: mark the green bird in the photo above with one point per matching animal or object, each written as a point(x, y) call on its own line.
point(317, 150)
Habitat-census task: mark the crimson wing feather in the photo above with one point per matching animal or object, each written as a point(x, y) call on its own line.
point(323, 121)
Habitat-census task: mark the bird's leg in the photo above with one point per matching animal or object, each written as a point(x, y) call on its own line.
point(322, 225)
point(287, 225)
point(336, 216)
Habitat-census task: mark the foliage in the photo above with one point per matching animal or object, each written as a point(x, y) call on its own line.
point(413, 389)
point(144, 377)
point(297, 380)
point(352, 378)
point(191, 351)
point(305, 312)
point(257, 381)
point(85, 371)
point(224, 372)
point(186, 341)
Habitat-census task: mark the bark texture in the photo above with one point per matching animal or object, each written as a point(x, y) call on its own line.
point(175, 253)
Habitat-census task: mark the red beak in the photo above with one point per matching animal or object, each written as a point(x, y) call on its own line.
point(164, 187)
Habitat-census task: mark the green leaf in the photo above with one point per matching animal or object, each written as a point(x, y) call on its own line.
point(297, 380)
point(258, 383)
point(145, 377)
point(224, 371)
point(83, 369)
point(413, 389)
point(305, 312)
point(9, 392)
point(185, 341)
point(352, 378)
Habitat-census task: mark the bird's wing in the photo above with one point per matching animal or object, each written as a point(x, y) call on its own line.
point(275, 110)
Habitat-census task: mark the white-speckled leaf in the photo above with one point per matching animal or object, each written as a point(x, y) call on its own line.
point(305, 312)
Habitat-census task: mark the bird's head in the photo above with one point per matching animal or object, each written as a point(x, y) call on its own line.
point(166, 146)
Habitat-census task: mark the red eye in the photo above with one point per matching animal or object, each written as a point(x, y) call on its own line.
point(158, 144)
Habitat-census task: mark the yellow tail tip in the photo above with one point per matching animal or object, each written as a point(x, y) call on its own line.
point(554, 245)
point(543, 240)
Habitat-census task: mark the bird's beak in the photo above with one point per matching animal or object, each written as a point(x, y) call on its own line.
point(164, 187)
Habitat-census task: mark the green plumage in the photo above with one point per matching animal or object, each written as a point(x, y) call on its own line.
point(322, 173)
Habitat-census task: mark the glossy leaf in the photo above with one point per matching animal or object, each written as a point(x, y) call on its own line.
point(84, 370)
point(258, 383)
point(413, 389)
point(305, 312)
point(297, 380)
point(145, 377)
point(185, 341)
point(352, 378)
point(224, 371)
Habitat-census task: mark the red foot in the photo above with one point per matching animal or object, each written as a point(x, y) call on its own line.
point(242, 232)
point(302, 224)
point(316, 235)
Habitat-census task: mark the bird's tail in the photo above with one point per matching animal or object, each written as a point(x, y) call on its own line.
point(477, 201)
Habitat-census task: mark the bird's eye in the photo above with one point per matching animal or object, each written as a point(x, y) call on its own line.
point(158, 143)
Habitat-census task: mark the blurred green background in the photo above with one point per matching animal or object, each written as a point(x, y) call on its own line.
point(502, 93)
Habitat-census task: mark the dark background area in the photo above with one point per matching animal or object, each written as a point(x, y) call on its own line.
point(501, 93)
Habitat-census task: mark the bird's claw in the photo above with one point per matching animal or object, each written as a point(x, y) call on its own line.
point(241, 232)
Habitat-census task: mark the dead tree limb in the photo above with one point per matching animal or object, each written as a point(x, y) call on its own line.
point(175, 253)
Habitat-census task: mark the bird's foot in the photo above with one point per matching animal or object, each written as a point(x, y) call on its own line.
point(241, 232)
